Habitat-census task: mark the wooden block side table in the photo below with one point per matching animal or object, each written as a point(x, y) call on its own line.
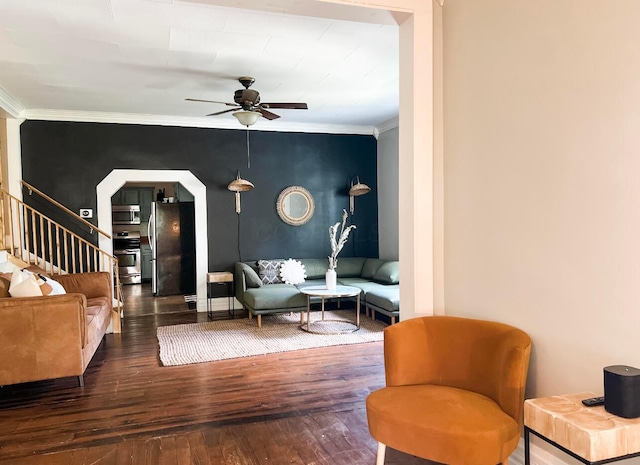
point(220, 277)
point(589, 434)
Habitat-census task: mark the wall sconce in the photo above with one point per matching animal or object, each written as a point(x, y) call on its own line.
point(247, 118)
point(239, 185)
point(356, 190)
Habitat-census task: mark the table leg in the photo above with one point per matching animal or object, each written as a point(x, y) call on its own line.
point(231, 301)
point(358, 311)
point(308, 309)
point(527, 451)
point(209, 312)
point(322, 308)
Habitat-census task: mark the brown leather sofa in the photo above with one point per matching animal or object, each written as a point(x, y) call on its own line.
point(53, 336)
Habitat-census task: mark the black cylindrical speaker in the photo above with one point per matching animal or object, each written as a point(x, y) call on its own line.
point(622, 391)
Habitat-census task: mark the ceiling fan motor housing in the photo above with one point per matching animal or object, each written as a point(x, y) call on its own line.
point(246, 96)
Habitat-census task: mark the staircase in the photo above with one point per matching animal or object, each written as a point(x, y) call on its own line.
point(31, 238)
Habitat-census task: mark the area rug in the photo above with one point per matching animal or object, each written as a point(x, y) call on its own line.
point(219, 340)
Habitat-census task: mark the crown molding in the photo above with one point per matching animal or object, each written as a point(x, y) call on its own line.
point(10, 104)
point(185, 121)
point(386, 125)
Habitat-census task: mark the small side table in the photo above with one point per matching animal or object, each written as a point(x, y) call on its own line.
point(589, 434)
point(220, 277)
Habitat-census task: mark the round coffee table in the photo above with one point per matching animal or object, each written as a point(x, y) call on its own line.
point(324, 293)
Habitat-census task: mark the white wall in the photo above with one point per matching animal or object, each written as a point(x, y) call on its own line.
point(388, 183)
point(542, 160)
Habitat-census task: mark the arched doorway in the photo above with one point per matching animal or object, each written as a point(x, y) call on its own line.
point(117, 178)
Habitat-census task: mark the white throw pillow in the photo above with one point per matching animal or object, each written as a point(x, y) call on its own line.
point(292, 272)
point(24, 284)
point(55, 286)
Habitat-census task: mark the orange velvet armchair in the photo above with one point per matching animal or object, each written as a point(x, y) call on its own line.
point(455, 390)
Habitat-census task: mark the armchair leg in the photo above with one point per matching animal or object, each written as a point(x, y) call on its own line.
point(382, 449)
point(81, 380)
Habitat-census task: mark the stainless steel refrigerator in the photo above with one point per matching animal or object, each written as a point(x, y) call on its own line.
point(173, 251)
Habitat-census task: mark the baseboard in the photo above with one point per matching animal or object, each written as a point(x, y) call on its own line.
point(539, 456)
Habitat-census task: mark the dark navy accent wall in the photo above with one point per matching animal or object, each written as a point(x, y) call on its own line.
point(67, 160)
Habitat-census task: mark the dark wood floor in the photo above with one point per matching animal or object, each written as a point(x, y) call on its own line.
point(303, 407)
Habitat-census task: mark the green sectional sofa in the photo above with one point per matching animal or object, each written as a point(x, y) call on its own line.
point(378, 280)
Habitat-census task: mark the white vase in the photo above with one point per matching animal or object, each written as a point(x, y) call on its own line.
point(330, 279)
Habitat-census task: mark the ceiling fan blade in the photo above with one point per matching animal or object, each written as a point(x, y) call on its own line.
point(224, 111)
point(292, 106)
point(210, 101)
point(267, 114)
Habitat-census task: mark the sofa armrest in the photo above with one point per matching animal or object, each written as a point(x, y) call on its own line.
point(95, 284)
point(245, 277)
point(41, 337)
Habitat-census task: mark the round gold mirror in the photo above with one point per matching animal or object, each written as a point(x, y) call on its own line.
point(295, 205)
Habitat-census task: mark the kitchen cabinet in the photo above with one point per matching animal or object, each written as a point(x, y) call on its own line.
point(130, 196)
point(146, 196)
point(145, 262)
point(142, 196)
point(126, 196)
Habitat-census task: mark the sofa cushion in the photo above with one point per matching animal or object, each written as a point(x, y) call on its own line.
point(386, 298)
point(364, 285)
point(5, 281)
point(447, 422)
point(350, 267)
point(91, 284)
point(388, 273)
point(97, 305)
point(370, 267)
point(315, 267)
point(275, 297)
point(269, 270)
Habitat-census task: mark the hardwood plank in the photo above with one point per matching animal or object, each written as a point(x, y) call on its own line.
point(198, 448)
point(183, 450)
point(125, 453)
point(152, 451)
point(102, 455)
point(168, 455)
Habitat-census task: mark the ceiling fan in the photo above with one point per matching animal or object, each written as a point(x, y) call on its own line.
point(248, 100)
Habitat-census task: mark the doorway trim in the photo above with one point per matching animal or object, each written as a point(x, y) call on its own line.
point(119, 177)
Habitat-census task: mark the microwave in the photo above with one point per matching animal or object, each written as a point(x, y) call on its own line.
point(125, 214)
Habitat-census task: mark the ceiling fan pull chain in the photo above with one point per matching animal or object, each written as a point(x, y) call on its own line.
point(248, 157)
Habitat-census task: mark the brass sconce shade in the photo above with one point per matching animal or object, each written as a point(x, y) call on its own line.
point(247, 118)
point(356, 190)
point(239, 185)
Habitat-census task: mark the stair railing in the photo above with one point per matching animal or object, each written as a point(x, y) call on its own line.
point(69, 212)
point(36, 239)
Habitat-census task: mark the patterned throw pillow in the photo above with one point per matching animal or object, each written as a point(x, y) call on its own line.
point(269, 270)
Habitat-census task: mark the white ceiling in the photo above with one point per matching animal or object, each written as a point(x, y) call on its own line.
point(137, 60)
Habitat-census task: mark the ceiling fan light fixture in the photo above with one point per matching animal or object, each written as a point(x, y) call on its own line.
point(247, 118)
